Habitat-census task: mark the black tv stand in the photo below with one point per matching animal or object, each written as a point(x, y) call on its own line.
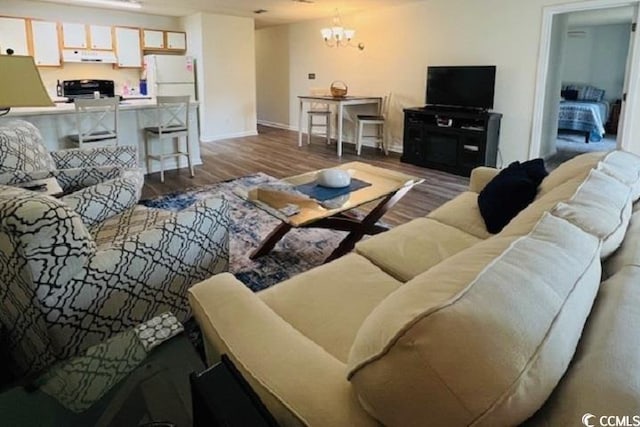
point(451, 139)
point(452, 108)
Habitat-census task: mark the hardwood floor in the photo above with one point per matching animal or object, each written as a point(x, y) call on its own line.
point(276, 153)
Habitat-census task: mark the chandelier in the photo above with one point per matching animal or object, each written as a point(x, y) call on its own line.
point(338, 36)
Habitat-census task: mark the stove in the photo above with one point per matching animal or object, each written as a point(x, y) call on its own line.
point(74, 89)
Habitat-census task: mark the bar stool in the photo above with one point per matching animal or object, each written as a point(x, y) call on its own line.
point(320, 110)
point(97, 122)
point(172, 117)
point(378, 121)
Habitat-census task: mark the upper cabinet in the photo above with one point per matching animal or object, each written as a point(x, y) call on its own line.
point(46, 45)
point(128, 47)
point(153, 39)
point(101, 37)
point(74, 36)
point(176, 40)
point(13, 35)
point(46, 41)
point(81, 36)
point(157, 40)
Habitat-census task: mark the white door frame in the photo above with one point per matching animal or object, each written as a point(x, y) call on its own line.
point(633, 91)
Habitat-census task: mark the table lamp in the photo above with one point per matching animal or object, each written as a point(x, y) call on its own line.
point(21, 84)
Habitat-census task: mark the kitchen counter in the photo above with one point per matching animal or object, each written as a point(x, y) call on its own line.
point(57, 122)
point(69, 107)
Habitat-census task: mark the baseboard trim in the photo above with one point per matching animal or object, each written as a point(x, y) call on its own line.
point(395, 148)
point(277, 125)
point(228, 136)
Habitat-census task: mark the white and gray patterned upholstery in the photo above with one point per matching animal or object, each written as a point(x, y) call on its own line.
point(24, 158)
point(99, 202)
point(63, 294)
point(21, 148)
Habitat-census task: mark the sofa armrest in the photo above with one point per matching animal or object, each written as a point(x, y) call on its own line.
point(123, 156)
point(141, 276)
point(480, 177)
point(98, 202)
point(298, 381)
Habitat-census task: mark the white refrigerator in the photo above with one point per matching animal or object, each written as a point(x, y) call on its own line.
point(170, 75)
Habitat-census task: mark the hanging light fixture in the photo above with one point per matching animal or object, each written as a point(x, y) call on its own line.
point(338, 36)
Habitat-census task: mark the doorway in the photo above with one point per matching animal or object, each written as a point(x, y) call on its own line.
point(587, 55)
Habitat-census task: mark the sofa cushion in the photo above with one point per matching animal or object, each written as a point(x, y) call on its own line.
point(462, 213)
point(483, 347)
point(604, 377)
point(329, 303)
point(601, 206)
point(131, 222)
point(505, 196)
point(625, 167)
point(21, 148)
point(576, 168)
point(529, 217)
point(628, 253)
point(413, 248)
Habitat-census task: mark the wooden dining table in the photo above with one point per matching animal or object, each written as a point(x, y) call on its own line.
point(340, 103)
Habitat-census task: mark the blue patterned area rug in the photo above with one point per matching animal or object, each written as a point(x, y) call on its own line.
point(298, 251)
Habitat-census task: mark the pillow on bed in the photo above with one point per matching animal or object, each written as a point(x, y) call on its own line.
point(586, 92)
point(569, 94)
point(593, 94)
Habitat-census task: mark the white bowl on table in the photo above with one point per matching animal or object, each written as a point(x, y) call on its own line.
point(333, 178)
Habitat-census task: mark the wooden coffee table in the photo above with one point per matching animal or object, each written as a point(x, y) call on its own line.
point(387, 187)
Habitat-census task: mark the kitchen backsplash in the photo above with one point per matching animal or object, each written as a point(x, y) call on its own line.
point(71, 71)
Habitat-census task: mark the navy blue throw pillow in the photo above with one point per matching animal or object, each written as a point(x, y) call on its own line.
point(512, 190)
point(535, 170)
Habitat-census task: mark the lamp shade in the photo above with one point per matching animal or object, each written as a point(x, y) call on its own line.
point(21, 84)
point(349, 34)
point(326, 33)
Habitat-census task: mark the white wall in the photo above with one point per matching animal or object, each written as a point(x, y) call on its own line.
point(224, 48)
point(599, 58)
point(402, 41)
point(273, 82)
point(86, 15)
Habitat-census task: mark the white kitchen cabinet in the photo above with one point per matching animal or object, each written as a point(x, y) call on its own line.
point(46, 45)
point(176, 40)
point(128, 48)
point(101, 37)
point(153, 39)
point(74, 36)
point(13, 35)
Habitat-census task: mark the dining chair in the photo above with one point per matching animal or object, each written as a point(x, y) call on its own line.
point(319, 110)
point(96, 121)
point(172, 118)
point(378, 121)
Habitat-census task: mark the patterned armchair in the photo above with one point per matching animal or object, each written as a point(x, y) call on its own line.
point(24, 158)
point(72, 279)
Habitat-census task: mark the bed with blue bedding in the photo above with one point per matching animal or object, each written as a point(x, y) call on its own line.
point(586, 114)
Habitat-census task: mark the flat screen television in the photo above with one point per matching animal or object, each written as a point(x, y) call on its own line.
point(461, 86)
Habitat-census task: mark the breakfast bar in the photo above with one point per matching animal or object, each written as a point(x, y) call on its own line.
point(55, 123)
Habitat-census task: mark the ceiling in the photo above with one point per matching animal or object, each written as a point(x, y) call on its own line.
point(279, 11)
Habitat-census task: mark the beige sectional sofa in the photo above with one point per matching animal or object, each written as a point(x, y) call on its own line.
point(439, 323)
